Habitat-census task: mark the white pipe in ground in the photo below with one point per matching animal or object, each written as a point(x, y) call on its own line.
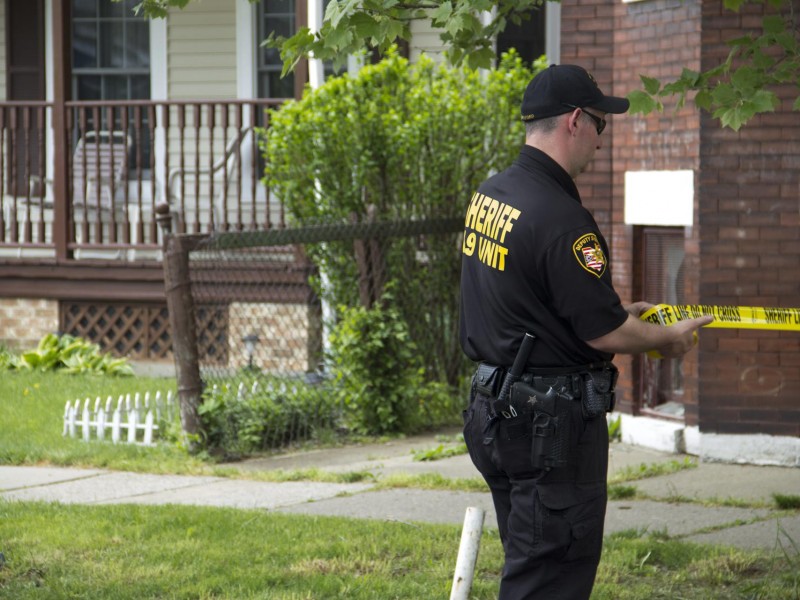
point(467, 553)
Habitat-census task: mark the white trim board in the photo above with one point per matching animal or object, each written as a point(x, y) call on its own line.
point(659, 198)
point(677, 438)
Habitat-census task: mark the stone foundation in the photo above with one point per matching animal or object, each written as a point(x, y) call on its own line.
point(288, 336)
point(25, 321)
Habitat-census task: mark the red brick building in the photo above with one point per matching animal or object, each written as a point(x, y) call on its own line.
point(738, 397)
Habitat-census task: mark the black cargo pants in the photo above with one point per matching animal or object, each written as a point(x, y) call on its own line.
point(551, 523)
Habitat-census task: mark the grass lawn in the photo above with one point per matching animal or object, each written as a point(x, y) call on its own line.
point(120, 552)
point(131, 551)
point(32, 405)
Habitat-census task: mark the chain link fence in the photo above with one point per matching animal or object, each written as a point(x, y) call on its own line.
point(307, 332)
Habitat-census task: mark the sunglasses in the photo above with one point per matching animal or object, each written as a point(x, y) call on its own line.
point(599, 122)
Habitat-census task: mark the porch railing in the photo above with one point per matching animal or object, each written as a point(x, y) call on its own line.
point(123, 158)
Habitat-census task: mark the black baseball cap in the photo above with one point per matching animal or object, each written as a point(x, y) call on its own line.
point(560, 89)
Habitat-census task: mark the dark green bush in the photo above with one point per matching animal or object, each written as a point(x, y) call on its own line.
point(379, 373)
point(278, 412)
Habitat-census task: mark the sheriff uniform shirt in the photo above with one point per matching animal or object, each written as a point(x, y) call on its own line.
point(534, 261)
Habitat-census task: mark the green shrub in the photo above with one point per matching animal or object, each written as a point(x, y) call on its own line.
point(413, 141)
point(276, 413)
point(378, 372)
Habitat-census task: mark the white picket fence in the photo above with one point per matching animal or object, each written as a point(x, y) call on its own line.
point(243, 391)
point(137, 417)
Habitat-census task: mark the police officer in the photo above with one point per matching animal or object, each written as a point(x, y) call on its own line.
point(535, 262)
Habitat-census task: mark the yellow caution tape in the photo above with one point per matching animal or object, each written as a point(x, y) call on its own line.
point(730, 317)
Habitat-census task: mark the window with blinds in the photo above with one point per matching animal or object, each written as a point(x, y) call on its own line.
point(662, 282)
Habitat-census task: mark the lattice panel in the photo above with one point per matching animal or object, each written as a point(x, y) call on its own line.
point(142, 331)
point(130, 330)
point(159, 333)
point(212, 333)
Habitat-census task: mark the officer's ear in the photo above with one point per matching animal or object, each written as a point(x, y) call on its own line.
point(572, 121)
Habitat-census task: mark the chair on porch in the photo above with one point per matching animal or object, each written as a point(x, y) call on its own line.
point(231, 177)
point(99, 168)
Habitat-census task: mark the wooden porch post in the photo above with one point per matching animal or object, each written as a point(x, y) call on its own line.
point(61, 150)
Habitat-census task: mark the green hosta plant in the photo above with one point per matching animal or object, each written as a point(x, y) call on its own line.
point(68, 354)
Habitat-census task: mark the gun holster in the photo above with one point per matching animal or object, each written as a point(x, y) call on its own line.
point(551, 414)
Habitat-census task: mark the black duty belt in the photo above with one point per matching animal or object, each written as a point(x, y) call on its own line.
point(592, 384)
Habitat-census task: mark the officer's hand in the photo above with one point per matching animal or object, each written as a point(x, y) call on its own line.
point(685, 336)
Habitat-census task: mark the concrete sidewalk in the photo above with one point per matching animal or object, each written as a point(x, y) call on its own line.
point(764, 528)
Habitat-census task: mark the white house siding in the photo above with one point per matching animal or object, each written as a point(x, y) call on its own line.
point(424, 39)
point(201, 58)
point(202, 50)
point(3, 92)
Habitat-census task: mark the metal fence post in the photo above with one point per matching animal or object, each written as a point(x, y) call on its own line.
point(180, 305)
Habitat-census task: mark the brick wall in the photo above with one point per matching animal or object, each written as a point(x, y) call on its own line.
point(289, 336)
point(24, 321)
point(656, 38)
point(744, 246)
point(750, 253)
point(617, 42)
point(587, 39)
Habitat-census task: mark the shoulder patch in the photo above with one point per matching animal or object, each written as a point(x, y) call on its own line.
point(589, 254)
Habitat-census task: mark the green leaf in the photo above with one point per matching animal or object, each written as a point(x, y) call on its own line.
point(730, 117)
point(774, 24)
point(48, 342)
point(734, 5)
point(690, 77)
point(724, 95)
point(679, 86)
point(365, 26)
point(703, 99)
point(788, 42)
point(293, 48)
point(455, 25)
point(454, 55)
point(651, 85)
point(641, 102)
point(746, 79)
point(761, 61)
point(746, 40)
point(764, 101)
point(480, 59)
point(333, 13)
point(442, 14)
point(339, 37)
point(33, 359)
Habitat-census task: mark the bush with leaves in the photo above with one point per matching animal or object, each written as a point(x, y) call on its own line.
point(68, 354)
point(276, 413)
point(379, 373)
point(414, 141)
